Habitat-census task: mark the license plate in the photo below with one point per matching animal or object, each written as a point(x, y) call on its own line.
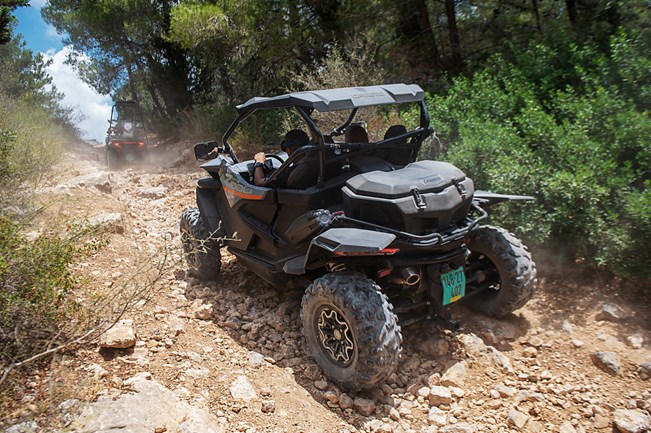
point(130, 156)
point(454, 285)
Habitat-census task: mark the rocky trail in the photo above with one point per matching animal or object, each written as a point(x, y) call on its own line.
point(229, 356)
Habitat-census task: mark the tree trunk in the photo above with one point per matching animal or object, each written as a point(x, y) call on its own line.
point(571, 11)
point(429, 38)
point(453, 32)
point(536, 13)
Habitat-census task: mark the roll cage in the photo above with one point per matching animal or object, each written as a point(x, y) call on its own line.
point(349, 98)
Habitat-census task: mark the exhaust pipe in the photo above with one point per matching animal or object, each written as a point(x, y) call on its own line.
point(409, 276)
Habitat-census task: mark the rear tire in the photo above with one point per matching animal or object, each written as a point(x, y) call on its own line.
point(351, 329)
point(201, 252)
point(507, 274)
point(112, 159)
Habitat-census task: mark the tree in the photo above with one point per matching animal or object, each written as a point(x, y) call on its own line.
point(125, 52)
point(6, 19)
point(453, 32)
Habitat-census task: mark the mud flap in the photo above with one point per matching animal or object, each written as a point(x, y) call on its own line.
point(340, 241)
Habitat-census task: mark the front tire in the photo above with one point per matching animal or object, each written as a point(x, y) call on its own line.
point(201, 252)
point(501, 267)
point(351, 329)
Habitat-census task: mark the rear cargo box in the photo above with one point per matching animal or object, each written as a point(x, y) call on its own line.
point(422, 197)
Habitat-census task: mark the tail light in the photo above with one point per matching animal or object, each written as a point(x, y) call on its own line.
point(383, 252)
point(141, 144)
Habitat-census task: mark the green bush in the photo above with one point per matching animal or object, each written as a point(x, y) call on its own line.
point(30, 143)
point(35, 283)
point(583, 151)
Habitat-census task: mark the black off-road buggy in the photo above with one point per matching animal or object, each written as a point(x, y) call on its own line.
point(379, 240)
point(126, 138)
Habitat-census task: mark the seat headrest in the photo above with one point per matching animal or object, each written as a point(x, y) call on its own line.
point(294, 138)
point(356, 133)
point(395, 131)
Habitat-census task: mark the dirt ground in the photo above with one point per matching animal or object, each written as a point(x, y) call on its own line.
point(533, 371)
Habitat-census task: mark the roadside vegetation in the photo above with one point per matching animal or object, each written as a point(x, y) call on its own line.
point(36, 280)
point(577, 139)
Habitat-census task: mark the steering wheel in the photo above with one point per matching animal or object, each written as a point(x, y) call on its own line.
point(276, 157)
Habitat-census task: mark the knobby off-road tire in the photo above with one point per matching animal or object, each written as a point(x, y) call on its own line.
point(351, 329)
point(201, 253)
point(507, 268)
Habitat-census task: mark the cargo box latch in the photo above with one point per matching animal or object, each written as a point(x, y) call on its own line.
point(460, 188)
point(418, 199)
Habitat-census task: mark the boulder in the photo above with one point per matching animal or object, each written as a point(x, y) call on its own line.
point(109, 222)
point(611, 313)
point(631, 421)
point(607, 362)
point(119, 336)
point(152, 407)
point(100, 180)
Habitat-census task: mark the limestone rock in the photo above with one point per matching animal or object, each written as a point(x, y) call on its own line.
point(474, 345)
point(110, 222)
point(436, 417)
point(496, 331)
point(500, 360)
point(505, 391)
point(635, 341)
point(364, 406)
point(455, 375)
point(242, 389)
point(345, 402)
point(100, 180)
point(24, 427)
point(202, 311)
point(517, 419)
point(153, 192)
point(645, 370)
point(256, 359)
point(566, 427)
point(631, 421)
point(606, 361)
point(120, 336)
point(151, 407)
point(459, 428)
point(439, 395)
point(611, 313)
point(268, 406)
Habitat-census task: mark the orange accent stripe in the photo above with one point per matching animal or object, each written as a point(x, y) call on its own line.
point(242, 195)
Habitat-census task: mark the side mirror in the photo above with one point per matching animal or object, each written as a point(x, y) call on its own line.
point(206, 151)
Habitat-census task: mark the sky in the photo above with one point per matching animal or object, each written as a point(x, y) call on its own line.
point(42, 38)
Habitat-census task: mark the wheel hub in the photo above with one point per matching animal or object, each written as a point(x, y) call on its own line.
point(335, 336)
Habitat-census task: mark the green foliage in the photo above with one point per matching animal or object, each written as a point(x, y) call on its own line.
point(6, 20)
point(30, 143)
point(35, 281)
point(197, 25)
point(584, 152)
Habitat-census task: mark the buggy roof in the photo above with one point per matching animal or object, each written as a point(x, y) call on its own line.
point(345, 98)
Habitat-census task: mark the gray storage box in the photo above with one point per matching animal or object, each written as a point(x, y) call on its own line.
point(422, 197)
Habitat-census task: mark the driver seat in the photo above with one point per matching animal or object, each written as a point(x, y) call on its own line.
point(305, 172)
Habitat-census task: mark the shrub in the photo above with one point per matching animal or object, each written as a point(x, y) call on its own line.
point(30, 143)
point(583, 151)
point(35, 281)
